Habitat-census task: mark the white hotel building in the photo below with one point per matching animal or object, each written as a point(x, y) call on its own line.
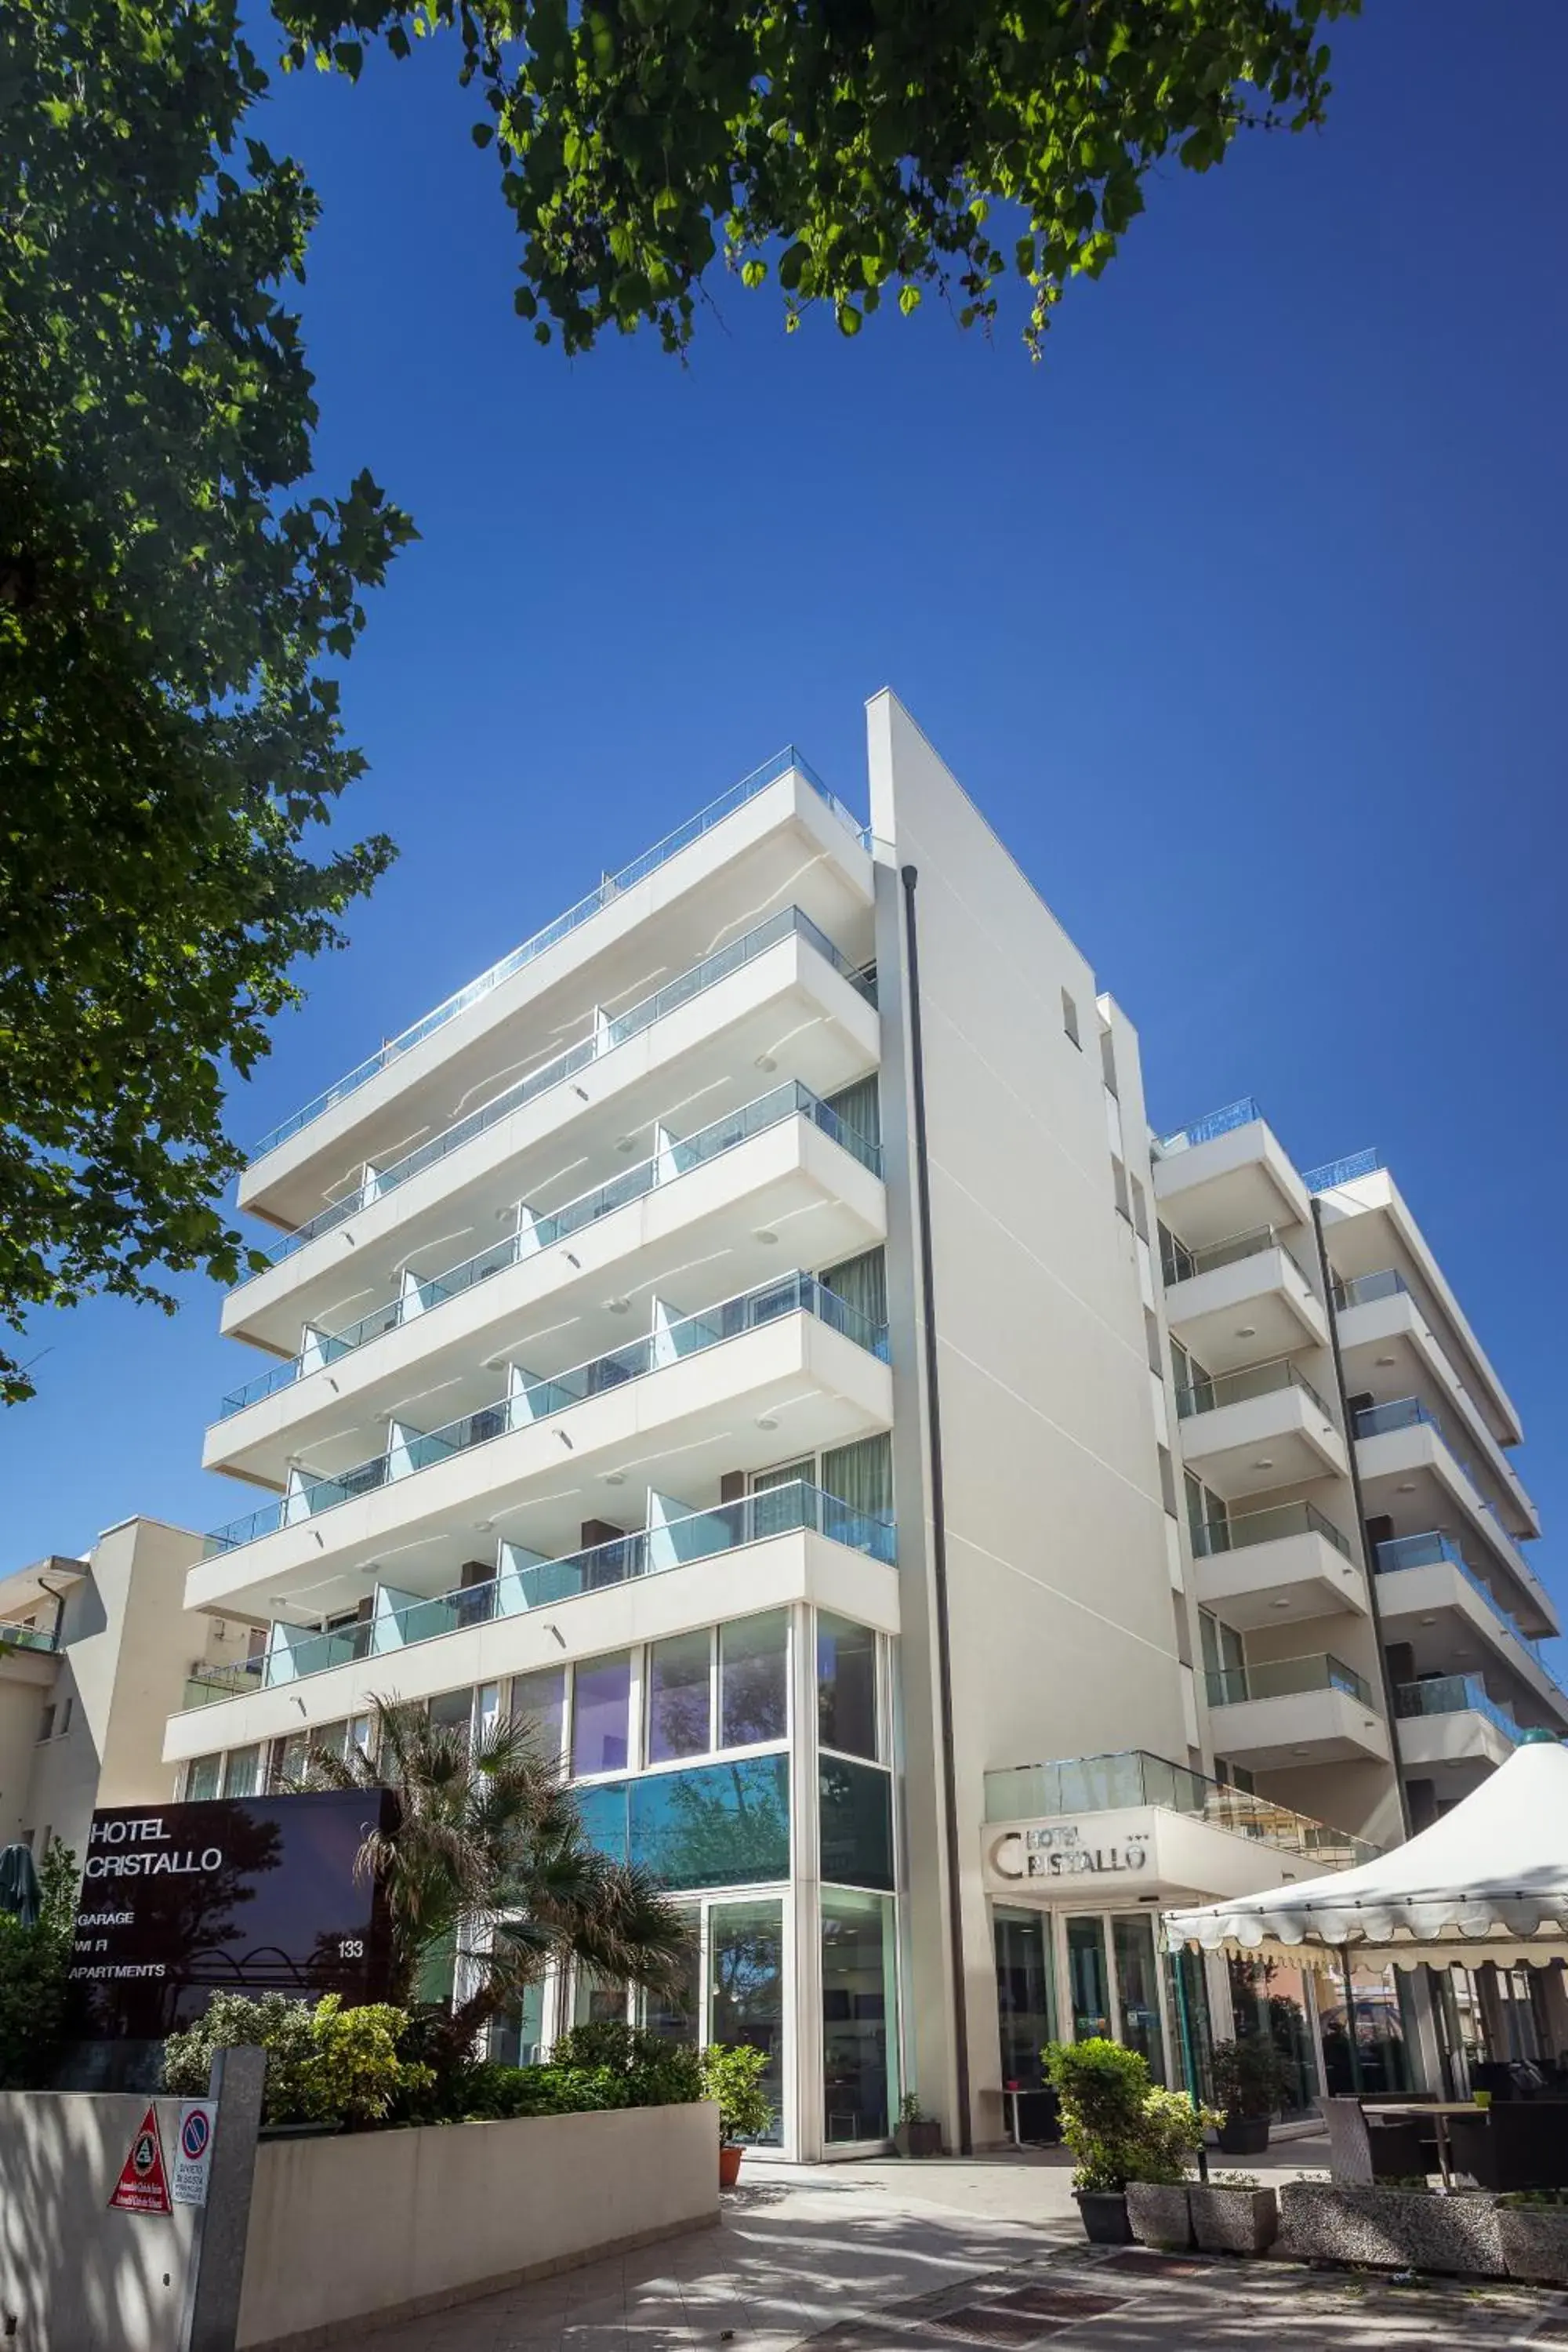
point(753, 1334)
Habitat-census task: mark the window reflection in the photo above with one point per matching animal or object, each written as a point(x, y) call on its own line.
point(679, 1699)
point(601, 1713)
point(846, 1686)
point(754, 1655)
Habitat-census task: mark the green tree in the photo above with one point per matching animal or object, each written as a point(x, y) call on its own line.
point(848, 149)
point(33, 1987)
point(168, 620)
point(488, 1859)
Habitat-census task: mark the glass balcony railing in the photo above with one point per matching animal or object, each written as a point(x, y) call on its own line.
point(26, 1637)
point(789, 1102)
point(1180, 1264)
point(1283, 1678)
point(797, 1506)
point(788, 923)
point(1207, 1395)
point(1091, 1784)
point(1203, 1130)
point(1387, 1283)
point(1454, 1695)
point(536, 1401)
point(1340, 1172)
point(612, 887)
point(1279, 1520)
point(1425, 1551)
point(205, 1685)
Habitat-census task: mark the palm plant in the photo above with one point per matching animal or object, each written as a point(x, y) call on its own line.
point(487, 1859)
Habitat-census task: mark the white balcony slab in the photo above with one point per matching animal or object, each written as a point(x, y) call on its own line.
point(1290, 1576)
point(1373, 1330)
point(788, 1011)
point(784, 847)
point(1437, 1609)
point(679, 1429)
point(1237, 1314)
point(800, 1566)
point(1461, 1736)
point(1229, 1184)
point(552, 1309)
point(1262, 1443)
point(1299, 1729)
point(1410, 1475)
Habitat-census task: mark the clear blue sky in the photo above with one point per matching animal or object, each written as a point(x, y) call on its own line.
point(1241, 617)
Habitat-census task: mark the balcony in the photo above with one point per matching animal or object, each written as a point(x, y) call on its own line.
point(791, 1360)
point(27, 1637)
point(1453, 1719)
point(778, 838)
point(1087, 1784)
point(1226, 1174)
point(791, 1542)
point(1282, 1713)
point(1252, 1431)
point(785, 1163)
point(1411, 1472)
point(1235, 1299)
point(1258, 1566)
point(1430, 1595)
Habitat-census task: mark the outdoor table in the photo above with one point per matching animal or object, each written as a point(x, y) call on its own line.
point(1417, 2110)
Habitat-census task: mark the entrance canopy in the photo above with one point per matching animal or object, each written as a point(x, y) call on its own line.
point(1487, 1881)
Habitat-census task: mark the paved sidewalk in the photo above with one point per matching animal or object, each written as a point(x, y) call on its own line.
point(984, 2256)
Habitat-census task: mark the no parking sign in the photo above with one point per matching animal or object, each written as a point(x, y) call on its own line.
point(194, 2151)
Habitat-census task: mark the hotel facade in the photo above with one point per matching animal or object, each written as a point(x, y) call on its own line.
point(753, 1335)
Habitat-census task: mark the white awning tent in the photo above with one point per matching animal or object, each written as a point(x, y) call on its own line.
point(1487, 1881)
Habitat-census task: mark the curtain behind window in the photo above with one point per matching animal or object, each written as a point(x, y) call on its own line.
point(862, 1474)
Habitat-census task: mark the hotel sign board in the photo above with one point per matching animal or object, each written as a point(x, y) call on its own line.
point(247, 1895)
point(1125, 1856)
point(1095, 1860)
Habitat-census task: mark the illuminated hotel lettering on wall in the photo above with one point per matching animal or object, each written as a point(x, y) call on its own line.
point(1060, 1851)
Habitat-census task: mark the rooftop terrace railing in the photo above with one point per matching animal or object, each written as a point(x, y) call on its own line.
point(794, 1507)
point(612, 887)
point(1203, 1131)
point(538, 1399)
point(1341, 1172)
point(787, 923)
point(1087, 1784)
point(789, 1102)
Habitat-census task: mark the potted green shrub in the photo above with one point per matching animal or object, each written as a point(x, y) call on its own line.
point(733, 2077)
point(1248, 2081)
point(916, 2134)
point(1103, 2090)
point(1232, 2215)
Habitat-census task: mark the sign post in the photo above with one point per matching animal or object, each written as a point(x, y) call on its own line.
point(217, 2138)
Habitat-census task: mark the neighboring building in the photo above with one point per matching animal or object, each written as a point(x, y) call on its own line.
point(729, 1336)
point(94, 1654)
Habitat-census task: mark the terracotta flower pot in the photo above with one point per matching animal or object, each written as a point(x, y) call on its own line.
point(729, 2163)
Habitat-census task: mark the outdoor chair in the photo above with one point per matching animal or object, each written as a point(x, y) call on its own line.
point(1518, 2144)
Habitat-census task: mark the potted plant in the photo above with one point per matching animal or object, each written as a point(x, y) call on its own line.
point(732, 2076)
point(1248, 2080)
point(1105, 2094)
point(1532, 2225)
point(917, 2134)
point(1232, 2215)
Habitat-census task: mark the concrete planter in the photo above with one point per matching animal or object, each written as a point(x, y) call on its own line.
point(1234, 2221)
point(921, 2138)
point(1390, 2229)
point(381, 2226)
point(1159, 2215)
point(1535, 2243)
point(1242, 2134)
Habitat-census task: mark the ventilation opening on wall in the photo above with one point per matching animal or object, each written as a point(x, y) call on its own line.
point(1069, 1019)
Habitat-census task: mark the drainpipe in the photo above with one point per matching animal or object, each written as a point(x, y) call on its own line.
point(909, 876)
point(1367, 1564)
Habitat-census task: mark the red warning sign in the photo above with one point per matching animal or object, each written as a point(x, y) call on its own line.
point(144, 2185)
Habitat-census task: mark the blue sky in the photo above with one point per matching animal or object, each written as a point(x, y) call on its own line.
point(1240, 616)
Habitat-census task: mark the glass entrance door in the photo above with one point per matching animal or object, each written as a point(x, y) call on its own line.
point(746, 1977)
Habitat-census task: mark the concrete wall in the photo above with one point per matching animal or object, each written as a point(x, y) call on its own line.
point(405, 2221)
point(74, 2276)
point(1063, 1627)
point(26, 1679)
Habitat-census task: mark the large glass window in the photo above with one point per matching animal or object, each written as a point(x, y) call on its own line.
point(676, 2015)
point(1379, 2027)
point(862, 1284)
point(602, 1809)
point(860, 2016)
point(1087, 1986)
point(202, 1774)
point(1026, 1994)
point(539, 1707)
point(601, 1713)
point(715, 1826)
point(1270, 2002)
point(452, 1710)
point(783, 1513)
point(1138, 1991)
point(517, 2038)
point(241, 1771)
point(753, 1660)
point(861, 1475)
point(679, 1697)
point(746, 1946)
point(1189, 1996)
point(846, 1686)
point(856, 1824)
